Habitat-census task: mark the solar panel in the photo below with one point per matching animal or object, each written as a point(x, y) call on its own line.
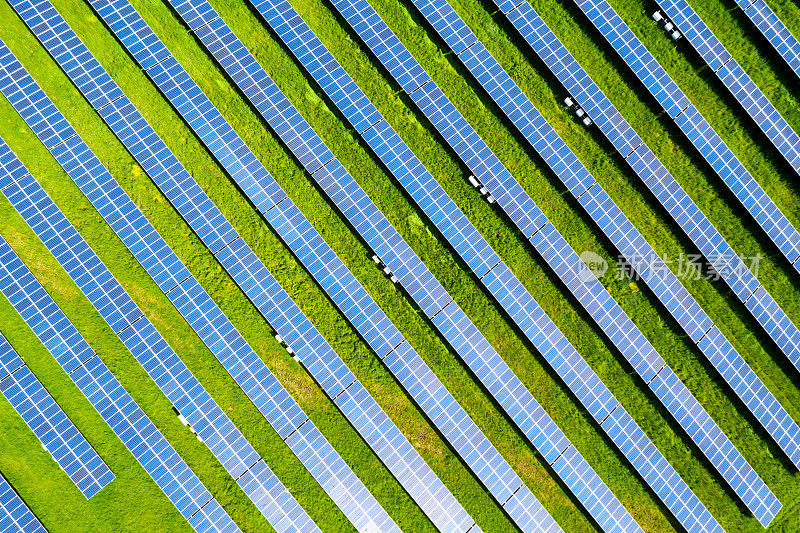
point(689, 120)
point(58, 435)
point(615, 225)
point(354, 301)
point(191, 400)
point(455, 326)
point(134, 329)
point(731, 74)
point(774, 31)
point(562, 259)
point(106, 394)
point(337, 380)
point(670, 194)
point(202, 313)
point(14, 514)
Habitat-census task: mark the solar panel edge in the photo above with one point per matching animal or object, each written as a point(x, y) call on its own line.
point(21, 515)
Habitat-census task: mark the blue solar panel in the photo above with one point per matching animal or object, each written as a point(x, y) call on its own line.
point(50, 424)
point(111, 400)
point(686, 116)
point(774, 30)
point(614, 126)
point(371, 322)
point(735, 79)
point(618, 228)
point(338, 380)
point(686, 213)
point(563, 260)
point(451, 321)
point(613, 222)
point(14, 514)
point(202, 313)
point(134, 329)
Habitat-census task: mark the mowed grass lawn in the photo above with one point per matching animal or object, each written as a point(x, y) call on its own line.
point(134, 503)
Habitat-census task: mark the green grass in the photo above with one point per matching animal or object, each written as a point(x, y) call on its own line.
point(133, 500)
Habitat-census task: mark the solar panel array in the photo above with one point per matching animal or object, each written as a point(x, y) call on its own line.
point(133, 328)
point(774, 30)
point(104, 392)
point(194, 303)
point(647, 166)
point(733, 76)
point(357, 305)
point(615, 225)
point(383, 336)
point(515, 299)
point(50, 424)
point(454, 325)
point(14, 514)
point(334, 376)
point(568, 266)
point(687, 118)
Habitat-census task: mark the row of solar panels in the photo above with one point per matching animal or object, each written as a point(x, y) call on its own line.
point(463, 139)
point(244, 465)
point(733, 76)
point(465, 239)
point(330, 272)
point(50, 424)
point(14, 514)
point(697, 227)
point(375, 130)
point(419, 379)
point(107, 396)
point(357, 108)
point(684, 211)
point(774, 30)
point(705, 139)
point(644, 259)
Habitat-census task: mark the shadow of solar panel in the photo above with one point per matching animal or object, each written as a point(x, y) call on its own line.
point(50, 424)
point(731, 74)
point(107, 396)
point(14, 514)
point(688, 119)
